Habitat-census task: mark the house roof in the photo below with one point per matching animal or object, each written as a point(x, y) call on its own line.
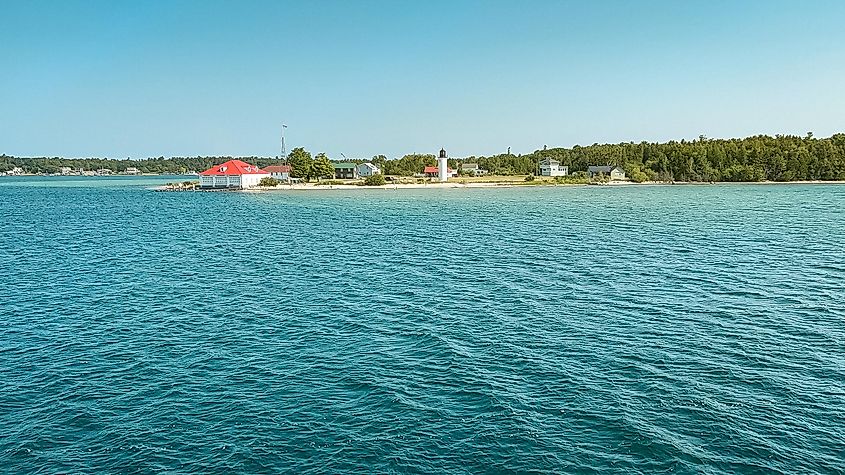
point(435, 170)
point(368, 165)
point(469, 166)
point(277, 169)
point(601, 168)
point(344, 165)
point(233, 167)
point(549, 161)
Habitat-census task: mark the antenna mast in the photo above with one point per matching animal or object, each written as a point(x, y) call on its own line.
point(284, 156)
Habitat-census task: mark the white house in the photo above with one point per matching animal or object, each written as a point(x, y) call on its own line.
point(614, 172)
point(132, 171)
point(551, 167)
point(15, 171)
point(65, 170)
point(234, 174)
point(279, 172)
point(367, 169)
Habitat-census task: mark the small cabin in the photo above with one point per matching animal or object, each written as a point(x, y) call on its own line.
point(279, 172)
point(367, 169)
point(611, 171)
point(434, 172)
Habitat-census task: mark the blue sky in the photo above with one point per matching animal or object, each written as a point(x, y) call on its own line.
point(174, 78)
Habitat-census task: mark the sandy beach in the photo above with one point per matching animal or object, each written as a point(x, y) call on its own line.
point(396, 186)
point(446, 185)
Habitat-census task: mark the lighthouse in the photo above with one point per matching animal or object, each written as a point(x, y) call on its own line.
point(442, 166)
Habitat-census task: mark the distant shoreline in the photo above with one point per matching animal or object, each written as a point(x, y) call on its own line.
point(453, 185)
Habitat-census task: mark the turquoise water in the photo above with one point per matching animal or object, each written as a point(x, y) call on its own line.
point(679, 329)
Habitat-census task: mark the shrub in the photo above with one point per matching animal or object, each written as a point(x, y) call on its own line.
point(529, 178)
point(269, 181)
point(637, 175)
point(374, 180)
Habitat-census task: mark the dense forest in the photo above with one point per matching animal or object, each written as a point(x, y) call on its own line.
point(758, 158)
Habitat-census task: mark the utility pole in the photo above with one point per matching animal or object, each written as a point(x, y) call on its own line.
point(284, 156)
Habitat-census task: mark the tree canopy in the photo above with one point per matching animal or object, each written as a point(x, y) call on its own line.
point(322, 167)
point(301, 163)
point(407, 165)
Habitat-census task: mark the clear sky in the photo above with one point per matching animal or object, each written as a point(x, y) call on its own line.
point(174, 78)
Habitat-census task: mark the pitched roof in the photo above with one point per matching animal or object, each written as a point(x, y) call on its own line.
point(344, 165)
point(435, 170)
point(234, 167)
point(368, 165)
point(601, 168)
point(277, 169)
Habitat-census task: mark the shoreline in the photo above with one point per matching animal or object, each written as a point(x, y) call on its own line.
point(454, 185)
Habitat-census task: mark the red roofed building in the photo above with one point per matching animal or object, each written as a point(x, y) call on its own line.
point(279, 172)
point(433, 172)
point(232, 174)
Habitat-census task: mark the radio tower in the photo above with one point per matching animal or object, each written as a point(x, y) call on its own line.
point(284, 156)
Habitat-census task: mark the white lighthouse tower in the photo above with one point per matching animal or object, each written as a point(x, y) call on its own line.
point(442, 166)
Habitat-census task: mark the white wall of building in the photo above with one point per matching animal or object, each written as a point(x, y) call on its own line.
point(553, 169)
point(231, 181)
point(367, 169)
point(250, 181)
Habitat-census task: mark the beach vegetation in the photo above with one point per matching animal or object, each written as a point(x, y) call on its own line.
point(574, 179)
point(269, 181)
point(375, 180)
point(637, 175)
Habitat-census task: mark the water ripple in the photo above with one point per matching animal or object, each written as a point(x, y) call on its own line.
point(590, 329)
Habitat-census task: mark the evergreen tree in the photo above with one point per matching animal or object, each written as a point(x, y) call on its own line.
point(301, 163)
point(322, 167)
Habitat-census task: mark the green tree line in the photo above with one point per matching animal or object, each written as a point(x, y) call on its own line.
point(161, 165)
point(761, 157)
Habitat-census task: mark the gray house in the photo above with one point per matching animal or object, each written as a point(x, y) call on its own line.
point(612, 171)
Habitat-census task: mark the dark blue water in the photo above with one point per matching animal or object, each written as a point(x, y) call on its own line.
point(679, 329)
